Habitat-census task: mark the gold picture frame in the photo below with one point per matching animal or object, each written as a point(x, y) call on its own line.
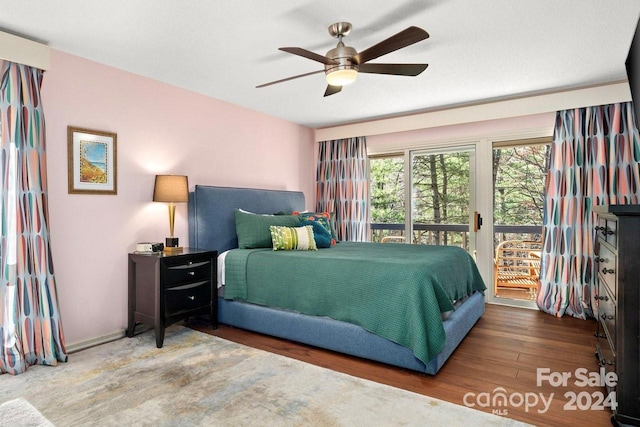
point(92, 161)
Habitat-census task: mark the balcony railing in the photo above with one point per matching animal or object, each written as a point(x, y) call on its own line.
point(454, 234)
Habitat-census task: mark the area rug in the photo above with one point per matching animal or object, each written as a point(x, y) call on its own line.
point(201, 380)
point(20, 413)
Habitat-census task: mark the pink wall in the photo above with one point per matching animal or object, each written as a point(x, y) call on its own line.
point(160, 129)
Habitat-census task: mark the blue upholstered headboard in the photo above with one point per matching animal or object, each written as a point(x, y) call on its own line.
point(212, 218)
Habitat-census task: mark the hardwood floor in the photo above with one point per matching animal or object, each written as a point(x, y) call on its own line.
point(504, 349)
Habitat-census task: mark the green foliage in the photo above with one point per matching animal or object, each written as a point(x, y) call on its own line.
point(519, 181)
point(441, 187)
point(387, 190)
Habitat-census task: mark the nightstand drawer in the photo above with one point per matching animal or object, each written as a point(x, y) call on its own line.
point(187, 297)
point(186, 272)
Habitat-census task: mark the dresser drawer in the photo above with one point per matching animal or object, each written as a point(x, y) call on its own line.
point(606, 359)
point(607, 266)
point(187, 297)
point(607, 229)
point(185, 271)
point(607, 313)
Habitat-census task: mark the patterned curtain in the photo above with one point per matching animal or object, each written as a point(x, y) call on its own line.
point(595, 160)
point(30, 328)
point(342, 186)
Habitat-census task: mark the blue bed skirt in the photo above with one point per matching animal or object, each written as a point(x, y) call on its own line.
point(347, 338)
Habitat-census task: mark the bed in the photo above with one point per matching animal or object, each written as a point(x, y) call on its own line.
point(212, 225)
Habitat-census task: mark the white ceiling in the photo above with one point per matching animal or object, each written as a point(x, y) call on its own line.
point(478, 50)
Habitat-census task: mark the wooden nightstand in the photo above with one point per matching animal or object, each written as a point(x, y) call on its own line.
point(165, 288)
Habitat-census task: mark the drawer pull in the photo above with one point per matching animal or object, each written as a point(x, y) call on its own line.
point(192, 297)
point(192, 273)
point(605, 271)
point(605, 362)
point(604, 298)
point(599, 335)
point(607, 316)
point(605, 230)
point(599, 259)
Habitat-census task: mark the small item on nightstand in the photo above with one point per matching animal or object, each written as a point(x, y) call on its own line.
point(149, 247)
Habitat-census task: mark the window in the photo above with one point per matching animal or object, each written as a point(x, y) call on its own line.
point(387, 187)
point(424, 194)
point(519, 174)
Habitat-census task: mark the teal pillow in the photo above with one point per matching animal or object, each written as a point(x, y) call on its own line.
point(253, 229)
point(320, 234)
point(324, 218)
point(293, 238)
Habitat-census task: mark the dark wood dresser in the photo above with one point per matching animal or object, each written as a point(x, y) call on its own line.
point(165, 288)
point(617, 305)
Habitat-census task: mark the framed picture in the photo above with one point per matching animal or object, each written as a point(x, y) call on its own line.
point(92, 161)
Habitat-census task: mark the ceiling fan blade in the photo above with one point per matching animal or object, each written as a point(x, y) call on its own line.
point(394, 69)
point(290, 78)
point(309, 55)
point(403, 39)
point(332, 89)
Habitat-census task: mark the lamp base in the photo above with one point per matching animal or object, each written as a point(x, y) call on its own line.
point(173, 250)
point(171, 242)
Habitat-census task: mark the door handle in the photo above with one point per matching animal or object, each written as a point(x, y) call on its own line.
point(477, 221)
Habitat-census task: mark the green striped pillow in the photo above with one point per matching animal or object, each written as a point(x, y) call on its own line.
point(292, 238)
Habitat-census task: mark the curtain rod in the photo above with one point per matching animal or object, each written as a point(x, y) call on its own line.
point(23, 51)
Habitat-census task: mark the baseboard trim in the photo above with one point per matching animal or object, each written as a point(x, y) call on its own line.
point(103, 339)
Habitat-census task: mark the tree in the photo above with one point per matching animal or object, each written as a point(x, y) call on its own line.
point(441, 188)
point(387, 190)
point(520, 175)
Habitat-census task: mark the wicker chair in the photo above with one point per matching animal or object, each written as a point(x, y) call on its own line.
point(392, 239)
point(517, 265)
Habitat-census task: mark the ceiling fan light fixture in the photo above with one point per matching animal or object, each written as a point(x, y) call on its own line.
point(342, 63)
point(342, 76)
point(344, 71)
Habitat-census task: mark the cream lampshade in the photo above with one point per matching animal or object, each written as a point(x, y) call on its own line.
point(171, 189)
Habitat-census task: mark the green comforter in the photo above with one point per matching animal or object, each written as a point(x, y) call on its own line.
point(393, 290)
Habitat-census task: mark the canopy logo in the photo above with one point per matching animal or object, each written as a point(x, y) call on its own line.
point(499, 400)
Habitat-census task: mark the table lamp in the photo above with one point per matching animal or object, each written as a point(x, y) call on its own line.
point(171, 189)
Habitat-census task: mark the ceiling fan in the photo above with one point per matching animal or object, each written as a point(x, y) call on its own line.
point(343, 63)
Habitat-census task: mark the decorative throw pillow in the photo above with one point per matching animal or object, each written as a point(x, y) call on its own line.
point(292, 238)
point(324, 218)
point(320, 234)
point(253, 229)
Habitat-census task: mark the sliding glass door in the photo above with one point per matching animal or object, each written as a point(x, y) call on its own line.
point(443, 197)
point(519, 172)
point(424, 197)
point(430, 196)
